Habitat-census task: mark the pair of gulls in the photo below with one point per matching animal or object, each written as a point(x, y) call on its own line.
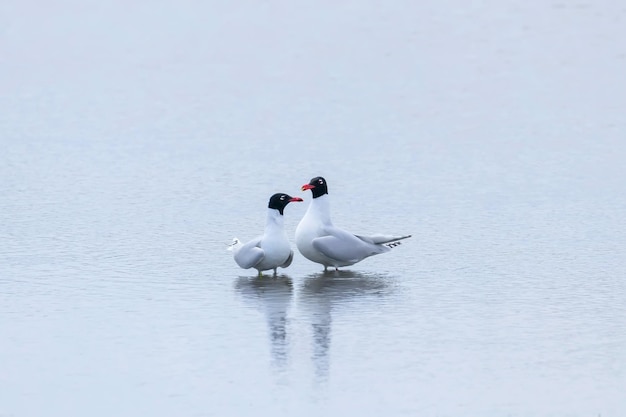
point(316, 237)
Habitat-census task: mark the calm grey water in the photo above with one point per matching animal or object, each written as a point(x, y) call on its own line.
point(138, 138)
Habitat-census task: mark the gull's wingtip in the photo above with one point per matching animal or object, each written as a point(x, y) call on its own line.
point(396, 241)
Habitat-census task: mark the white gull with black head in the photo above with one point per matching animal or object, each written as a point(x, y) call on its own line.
point(320, 241)
point(272, 249)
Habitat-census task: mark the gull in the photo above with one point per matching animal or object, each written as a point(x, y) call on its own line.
point(320, 241)
point(272, 249)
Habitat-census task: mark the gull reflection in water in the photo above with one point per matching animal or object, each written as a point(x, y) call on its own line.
point(272, 296)
point(324, 292)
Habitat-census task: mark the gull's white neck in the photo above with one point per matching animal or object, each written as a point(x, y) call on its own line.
point(275, 221)
point(320, 209)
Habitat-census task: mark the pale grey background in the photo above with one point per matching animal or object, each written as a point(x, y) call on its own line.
point(137, 138)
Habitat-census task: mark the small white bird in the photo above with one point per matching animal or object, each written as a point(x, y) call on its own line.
point(272, 249)
point(319, 241)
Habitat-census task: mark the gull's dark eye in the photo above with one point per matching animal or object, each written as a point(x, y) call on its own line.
point(321, 182)
point(282, 197)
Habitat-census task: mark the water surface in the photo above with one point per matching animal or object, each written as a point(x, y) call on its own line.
point(137, 140)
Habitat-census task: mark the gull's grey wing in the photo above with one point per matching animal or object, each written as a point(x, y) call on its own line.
point(343, 246)
point(288, 261)
point(249, 254)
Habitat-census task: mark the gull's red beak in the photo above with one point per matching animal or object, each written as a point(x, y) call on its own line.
point(307, 187)
point(295, 199)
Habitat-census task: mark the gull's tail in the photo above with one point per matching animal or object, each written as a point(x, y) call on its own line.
point(235, 245)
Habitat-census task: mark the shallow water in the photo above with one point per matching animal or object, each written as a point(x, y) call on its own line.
point(131, 157)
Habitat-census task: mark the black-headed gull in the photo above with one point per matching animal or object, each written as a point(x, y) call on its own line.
point(319, 241)
point(272, 249)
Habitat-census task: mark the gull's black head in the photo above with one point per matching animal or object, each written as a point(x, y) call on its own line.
point(279, 201)
point(317, 186)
